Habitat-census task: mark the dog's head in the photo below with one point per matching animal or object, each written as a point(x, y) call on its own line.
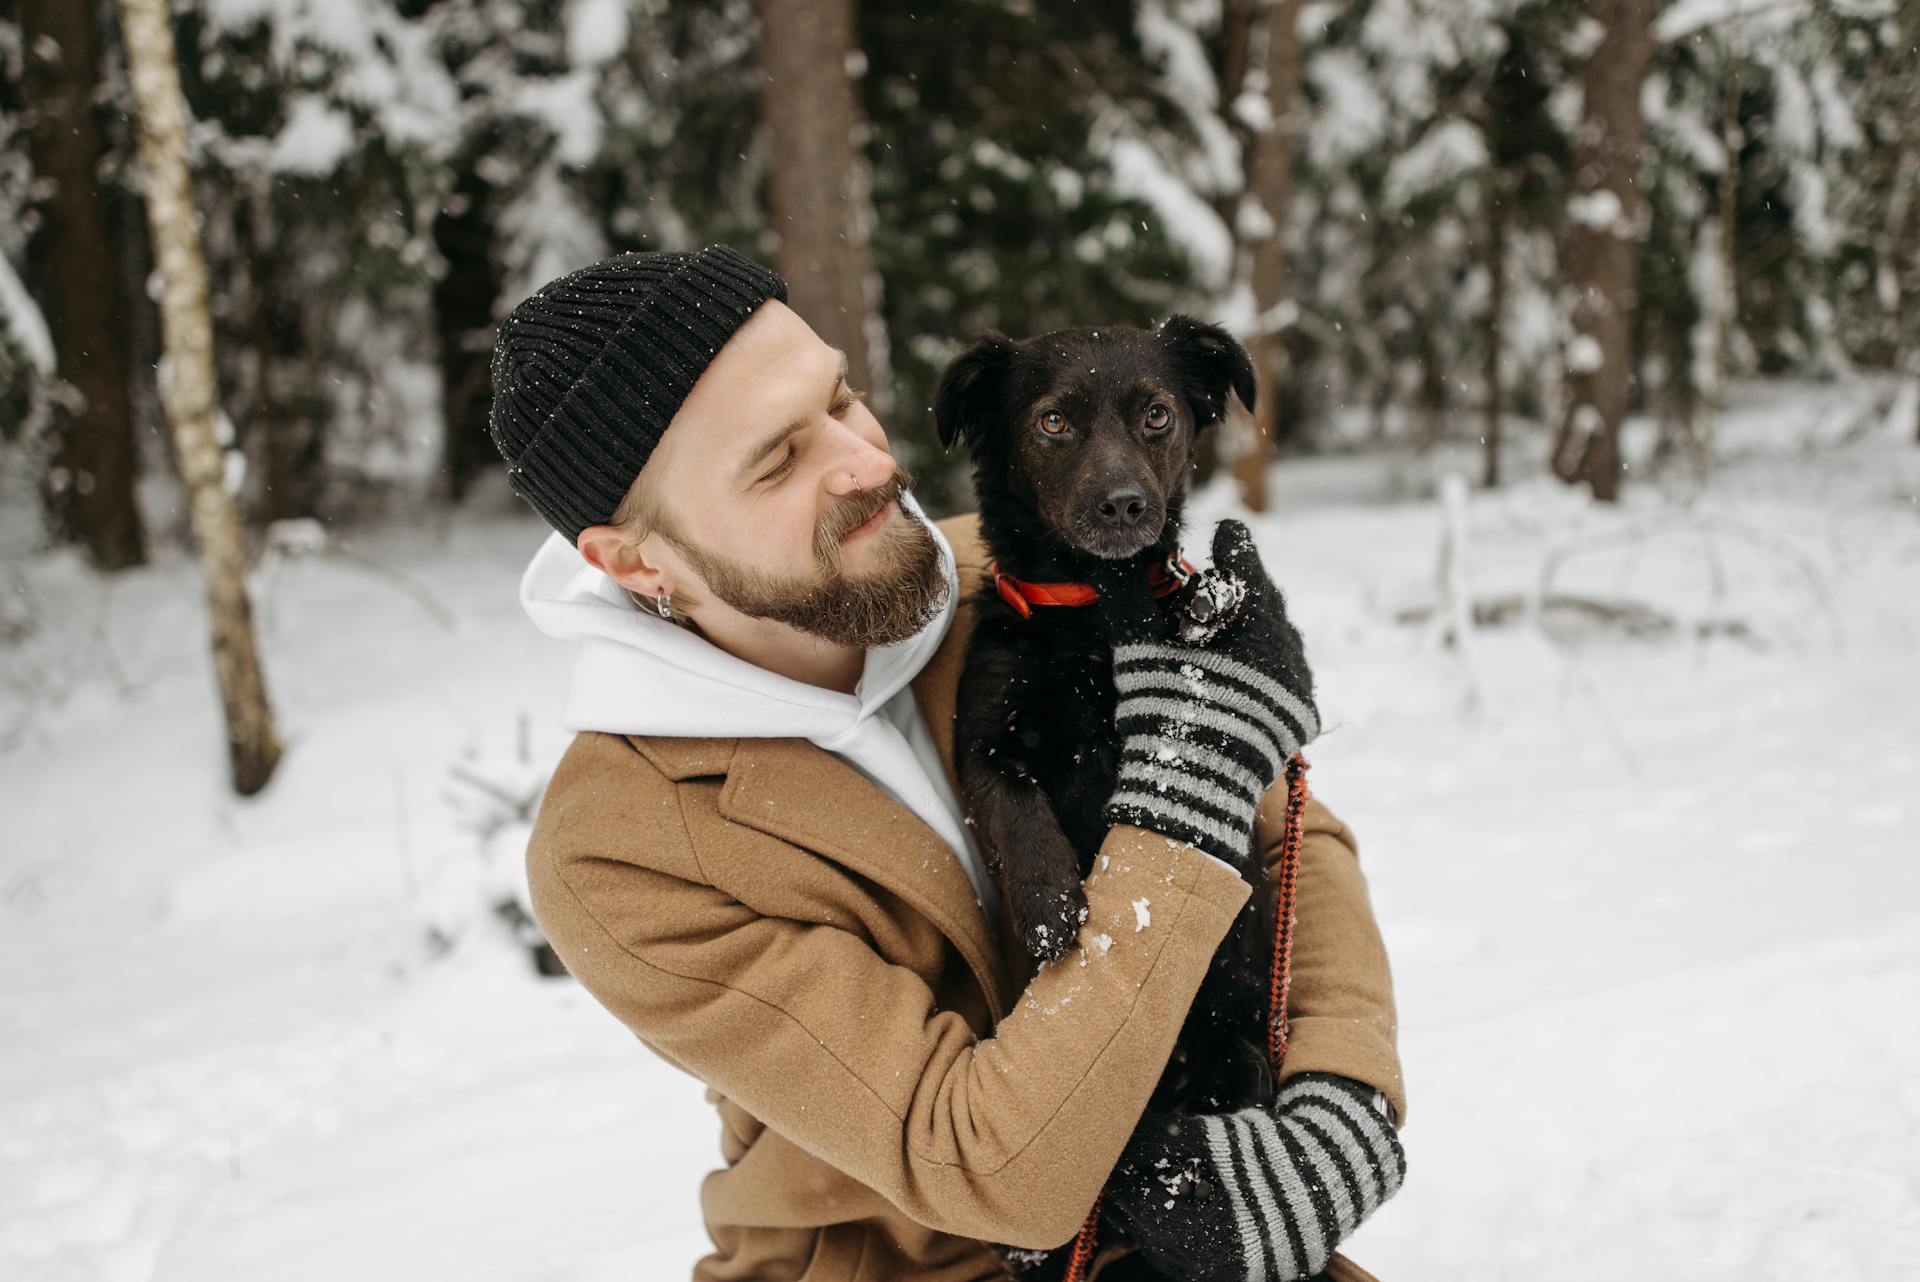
point(1091, 431)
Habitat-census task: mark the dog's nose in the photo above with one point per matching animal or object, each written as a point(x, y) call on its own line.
point(1123, 508)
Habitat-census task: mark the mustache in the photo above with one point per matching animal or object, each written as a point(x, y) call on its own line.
point(857, 510)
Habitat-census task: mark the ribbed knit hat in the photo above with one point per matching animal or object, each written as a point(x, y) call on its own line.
point(590, 368)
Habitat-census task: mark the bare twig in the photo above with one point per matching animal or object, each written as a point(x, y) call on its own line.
point(1704, 522)
point(399, 580)
point(1454, 620)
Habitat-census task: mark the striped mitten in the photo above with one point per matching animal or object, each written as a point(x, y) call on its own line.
point(1207, 726)
point(1262, 1193)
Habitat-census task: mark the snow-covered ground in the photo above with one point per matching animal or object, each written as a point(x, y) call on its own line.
point(1648, 867)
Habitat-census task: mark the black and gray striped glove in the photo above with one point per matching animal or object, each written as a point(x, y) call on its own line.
point(1207, 724)
point(1262, 1193)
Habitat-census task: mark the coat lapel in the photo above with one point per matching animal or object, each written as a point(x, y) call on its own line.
point(803, 794)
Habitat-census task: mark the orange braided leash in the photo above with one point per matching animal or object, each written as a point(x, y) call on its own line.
point(1281, 984)
point(1083, 1245)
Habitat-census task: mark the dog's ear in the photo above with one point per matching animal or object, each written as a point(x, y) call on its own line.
point(971, 388)
point(1210, 362)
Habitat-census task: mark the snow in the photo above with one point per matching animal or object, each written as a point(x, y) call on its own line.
point(1142, 918)
point(1838, 124)
point(1600, 210)
point(1353, 117)
point(1187, 70)
point(314, 140)
point(1449, 152)
point(22, 321)
point(389, 65)
point(565, 104)
point(1688, 19)
point(550, 232)
point(1652, 909)
point(1189, 222)
point(1790, 123)
point(596, 31)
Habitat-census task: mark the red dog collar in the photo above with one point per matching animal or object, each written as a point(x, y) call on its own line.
point(1163, 577)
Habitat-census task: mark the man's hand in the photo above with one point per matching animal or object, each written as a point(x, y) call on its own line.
point(1262, 1192)
point(1207, 725)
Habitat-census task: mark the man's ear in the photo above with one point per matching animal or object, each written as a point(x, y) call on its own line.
point(1209, 363)
point(971, 390)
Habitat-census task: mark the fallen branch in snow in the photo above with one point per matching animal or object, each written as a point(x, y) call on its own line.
point(1705, 524)
point(518, 807)
point(1635, 618)
point(292, 540)
point(1870, 418)
point(47, 675)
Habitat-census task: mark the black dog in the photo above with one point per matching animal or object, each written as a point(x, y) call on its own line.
point(1082, 443)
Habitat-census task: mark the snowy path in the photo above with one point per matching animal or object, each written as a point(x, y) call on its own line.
point(1654, 911)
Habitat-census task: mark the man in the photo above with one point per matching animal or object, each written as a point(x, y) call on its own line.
point(752, 855)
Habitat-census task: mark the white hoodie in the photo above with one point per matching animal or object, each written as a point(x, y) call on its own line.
point(636, 673)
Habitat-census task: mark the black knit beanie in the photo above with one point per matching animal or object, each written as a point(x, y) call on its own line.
point(589, 370)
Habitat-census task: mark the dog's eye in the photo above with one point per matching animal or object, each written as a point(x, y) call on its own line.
point(1053, 422)
point(1158, 416)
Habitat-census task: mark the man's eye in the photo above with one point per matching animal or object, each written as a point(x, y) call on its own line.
point(847, 398)
point(780, 469)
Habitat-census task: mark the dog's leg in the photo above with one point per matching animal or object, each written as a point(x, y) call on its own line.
point(1020, 835)
point(1038, 867)
point(1226, 1030)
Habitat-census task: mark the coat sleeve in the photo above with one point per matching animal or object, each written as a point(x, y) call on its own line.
point(1006, 1138)
point(1340, 1010)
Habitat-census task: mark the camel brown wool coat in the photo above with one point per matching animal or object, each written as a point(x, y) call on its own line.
point(894, 1089)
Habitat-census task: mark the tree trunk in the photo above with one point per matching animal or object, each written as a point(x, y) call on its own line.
point(1496, 313)
point(1229, 53)
point(1270, 179)
point(1909, 271)
point(1726, 301)
point(1604, 257)
point(1906, 219)
point(87, 492)
point(463, 321)
point(187, 387)
point(1433, 392)
point(1233, 52)
point(818, 191)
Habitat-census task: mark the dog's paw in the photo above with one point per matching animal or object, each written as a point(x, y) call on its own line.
point(1048, 916)
point(1021, 1261)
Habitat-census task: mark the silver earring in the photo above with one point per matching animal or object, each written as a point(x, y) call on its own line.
point(664, 604)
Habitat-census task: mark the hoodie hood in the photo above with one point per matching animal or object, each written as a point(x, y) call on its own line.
point(636, 673)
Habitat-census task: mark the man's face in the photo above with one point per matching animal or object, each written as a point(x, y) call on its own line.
point(775, 487)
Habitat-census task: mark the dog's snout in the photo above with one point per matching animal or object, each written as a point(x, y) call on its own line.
point(1123, 508)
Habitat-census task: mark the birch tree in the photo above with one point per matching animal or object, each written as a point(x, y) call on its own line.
point(187, 388)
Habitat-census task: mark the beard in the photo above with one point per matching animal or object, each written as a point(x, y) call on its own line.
point(894, 600)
